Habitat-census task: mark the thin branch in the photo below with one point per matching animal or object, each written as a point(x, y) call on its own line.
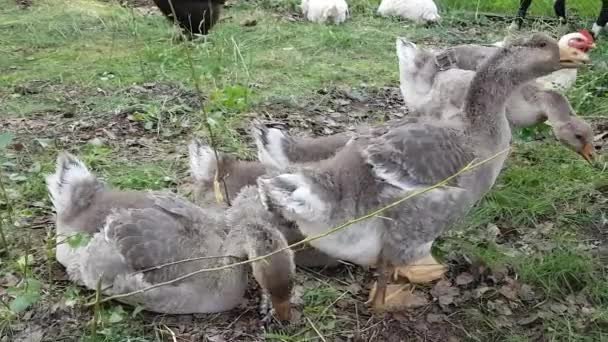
point(468, 167)
point(157, 267)
point(212, 138)
point(316, 330)
point(9, 211)
point(173, 336)
point(96, 309)
point(3, 235)
point(9, 205)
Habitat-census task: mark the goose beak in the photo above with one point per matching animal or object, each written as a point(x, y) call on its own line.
point(572, 58)
point(282, 309)
point(587, 153)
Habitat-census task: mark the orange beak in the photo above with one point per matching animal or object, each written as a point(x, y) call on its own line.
point(587, 153)
point(283, 309)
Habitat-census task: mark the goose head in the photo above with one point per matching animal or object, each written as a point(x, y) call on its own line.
point(573, 47)
point(256, 232)
point(538, 55)
point(577, 135)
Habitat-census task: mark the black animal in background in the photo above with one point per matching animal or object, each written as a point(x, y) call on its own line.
point(559, 6)
point(193, 16)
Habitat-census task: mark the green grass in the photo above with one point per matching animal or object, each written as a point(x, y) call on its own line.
point(82, 58)
point(509, 7)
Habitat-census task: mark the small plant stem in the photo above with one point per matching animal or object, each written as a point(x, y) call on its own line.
point(50, 239)
point(316, 330)
point(5, 304)
point(96, 309)
point(9, 205)
point(10, 215)
point(27, 261)
point(212, 138)
point(3, 236)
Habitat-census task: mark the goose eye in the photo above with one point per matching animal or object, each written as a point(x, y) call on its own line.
point(578, 136)
point(542, 45)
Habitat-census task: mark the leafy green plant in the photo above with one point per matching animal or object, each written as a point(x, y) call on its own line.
point(25, 294)
point(28, 291)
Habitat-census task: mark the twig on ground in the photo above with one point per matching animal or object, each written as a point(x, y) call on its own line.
point(96, 309)
point(316, 330)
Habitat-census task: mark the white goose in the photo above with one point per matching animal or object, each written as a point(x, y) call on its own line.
point(323, 11)
point(416, 10)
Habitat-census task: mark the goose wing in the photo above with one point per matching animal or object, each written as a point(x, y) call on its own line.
point(150, 237)
point(416, 154)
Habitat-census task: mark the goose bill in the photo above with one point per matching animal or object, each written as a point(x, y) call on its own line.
point(587, 153)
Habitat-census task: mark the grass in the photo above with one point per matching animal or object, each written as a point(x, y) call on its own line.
point(75, 71)
point(586, 9)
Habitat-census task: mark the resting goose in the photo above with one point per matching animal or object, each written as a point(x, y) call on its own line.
point(239, 174)
point(416, 10)
point(323, 11)
point(425, 88)
point(396, 159)
point(133, 231)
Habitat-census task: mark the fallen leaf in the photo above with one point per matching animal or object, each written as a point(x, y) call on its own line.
point(558, 308)
point(31, 334)
point(508, 291)
point(444, 292)
point(435, 318)
point(464, 278)
point(528, 320)
point(526, 293)
point(500, 307)
point(478, 292)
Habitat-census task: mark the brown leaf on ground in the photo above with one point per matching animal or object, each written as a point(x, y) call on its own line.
point(526, 293)
point(444, 292)
point(464, 278)
point(508, 291)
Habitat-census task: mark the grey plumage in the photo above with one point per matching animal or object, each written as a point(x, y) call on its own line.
point(394, 160)
point(239, 174)
point(132, 231)
point(445, 77)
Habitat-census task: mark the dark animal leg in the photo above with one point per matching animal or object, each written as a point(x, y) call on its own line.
point(521, 12)
point(602, 19)
point(559, 6)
